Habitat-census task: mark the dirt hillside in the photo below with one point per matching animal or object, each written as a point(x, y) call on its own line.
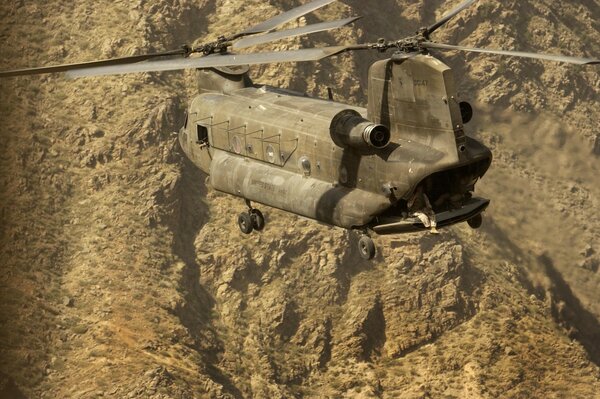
point(124, 276)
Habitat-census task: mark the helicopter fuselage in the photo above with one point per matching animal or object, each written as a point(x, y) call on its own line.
point(321, 159)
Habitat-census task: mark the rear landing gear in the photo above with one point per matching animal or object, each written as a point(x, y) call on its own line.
point(366, 247)
point(475, 222)
point(251, 220)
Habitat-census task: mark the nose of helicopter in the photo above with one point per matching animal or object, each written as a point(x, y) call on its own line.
point(182, 137)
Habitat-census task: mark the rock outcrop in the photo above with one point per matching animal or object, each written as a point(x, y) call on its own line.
point(123, 275)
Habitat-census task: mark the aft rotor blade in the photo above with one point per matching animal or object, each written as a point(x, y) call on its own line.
point(449, 16)
point(216, 60)
point(547, 57)
point(304, 30)
point(284, 17)
point(89, 64)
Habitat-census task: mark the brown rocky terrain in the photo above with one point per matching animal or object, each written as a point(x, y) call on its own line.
point(123, 275)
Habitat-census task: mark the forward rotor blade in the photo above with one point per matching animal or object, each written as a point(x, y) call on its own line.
point(216, 60)
point(547, 57)
point(284, 17)
point(449, 16)
point(304, 30)
point(89, 64)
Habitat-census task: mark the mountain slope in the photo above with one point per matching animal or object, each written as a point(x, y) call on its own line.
point(124, 276)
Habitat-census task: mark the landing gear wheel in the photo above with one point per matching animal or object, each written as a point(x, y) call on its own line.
point(475, 222)
point(366, 248)
point(258, 220)
point(245, 222)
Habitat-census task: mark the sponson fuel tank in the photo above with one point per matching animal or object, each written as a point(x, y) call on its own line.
point(330, 203)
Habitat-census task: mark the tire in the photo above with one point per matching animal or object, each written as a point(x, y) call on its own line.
point(245, 223)
point(366, 248)
point(475, 222)
point(258, 220)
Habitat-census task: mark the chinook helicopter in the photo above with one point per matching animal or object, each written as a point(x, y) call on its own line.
point(402, 164)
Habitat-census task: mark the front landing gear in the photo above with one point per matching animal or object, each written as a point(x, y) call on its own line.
point(258, 220)
point(245, 223)
point(366, 247)
point(251, 220)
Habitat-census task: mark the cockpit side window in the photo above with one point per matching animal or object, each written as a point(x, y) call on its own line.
point(202, 134)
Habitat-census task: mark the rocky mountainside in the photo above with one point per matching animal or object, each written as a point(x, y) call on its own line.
point(123, 275)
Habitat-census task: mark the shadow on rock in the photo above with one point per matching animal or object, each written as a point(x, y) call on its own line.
point(196, 313)
point(568, 311)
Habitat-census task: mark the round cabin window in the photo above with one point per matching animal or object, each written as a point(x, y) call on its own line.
point(270, 152)
point(237, 144)
point(305, 165)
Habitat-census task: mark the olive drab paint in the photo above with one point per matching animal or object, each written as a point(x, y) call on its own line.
point(282, 149)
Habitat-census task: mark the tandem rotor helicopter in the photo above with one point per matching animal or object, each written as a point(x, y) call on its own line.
point(402, 164)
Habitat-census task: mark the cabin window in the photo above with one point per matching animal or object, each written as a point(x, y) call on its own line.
point(202, 132)
point(305, 165)
point(270, 153)
point(237, 144)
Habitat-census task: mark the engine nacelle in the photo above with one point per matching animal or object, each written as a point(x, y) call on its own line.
point(349, 129)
